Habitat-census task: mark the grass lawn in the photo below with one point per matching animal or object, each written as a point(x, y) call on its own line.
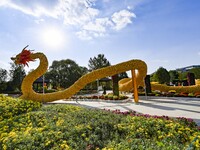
point(27, 125)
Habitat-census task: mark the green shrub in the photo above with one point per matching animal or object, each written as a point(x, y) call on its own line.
point(141, 93)
point(76, 128)
point(149, 133)
point(50, 90)
point(190, 95)
point(115, 97)
point(48, 128)
point(121, 96)
point(10, 107)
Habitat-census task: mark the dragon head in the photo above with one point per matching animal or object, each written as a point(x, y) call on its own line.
point(24, 57)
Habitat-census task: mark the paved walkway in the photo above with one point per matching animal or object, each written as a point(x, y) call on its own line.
point(168, 106)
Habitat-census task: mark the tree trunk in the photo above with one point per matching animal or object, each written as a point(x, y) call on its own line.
point(147, 84)
point(115, 80)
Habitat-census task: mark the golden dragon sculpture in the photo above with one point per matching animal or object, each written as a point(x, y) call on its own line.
point(28, 93)
point(126, 85)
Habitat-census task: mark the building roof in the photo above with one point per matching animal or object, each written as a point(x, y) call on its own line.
point(188, 68)
point(104, 79)
point(40, 80)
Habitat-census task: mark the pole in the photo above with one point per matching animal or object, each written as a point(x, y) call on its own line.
point(98, 88)
point(43, 84)
point(145, 89)
point(136, 99)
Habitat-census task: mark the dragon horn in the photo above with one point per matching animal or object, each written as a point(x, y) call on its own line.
point(25, 47)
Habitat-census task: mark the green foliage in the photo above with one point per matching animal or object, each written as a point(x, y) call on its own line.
point(64, 73)
point(122, 75)
point(3, 75)
point(183, 75)
point(149, 133)
point(162, 75)
point(76, 128)
point(196, 72)
point(174, 75)
point(17, 74)
point(50, 90)
point(10, 107)
point(109, 96)
point(98, 62)
point(3, 86)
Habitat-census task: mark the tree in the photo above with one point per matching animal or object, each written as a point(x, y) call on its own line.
point(64, 73)
point(83, 70)
point(115, 79)
point(98, 62)
point(174, 75)
point(162, 76)
point(3, 77)
point(17, 74)
point(196, 72)
point(122, 75)
point(152, 77)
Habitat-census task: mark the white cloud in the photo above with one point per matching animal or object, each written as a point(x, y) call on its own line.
point(76, 12)
point(84, 35)
point(122, 18)
point(99, 25)
point(80, 14)
point(37, 11)
point(3, 2)
point(198, 53)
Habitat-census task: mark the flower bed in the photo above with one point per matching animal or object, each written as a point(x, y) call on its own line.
point(172, 93)
point(109, 96)
point(76, 128)
point(11, 107)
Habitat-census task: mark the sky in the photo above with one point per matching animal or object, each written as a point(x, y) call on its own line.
point(163, 33)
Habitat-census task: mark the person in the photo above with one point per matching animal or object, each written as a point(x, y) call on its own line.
point(104, 90)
